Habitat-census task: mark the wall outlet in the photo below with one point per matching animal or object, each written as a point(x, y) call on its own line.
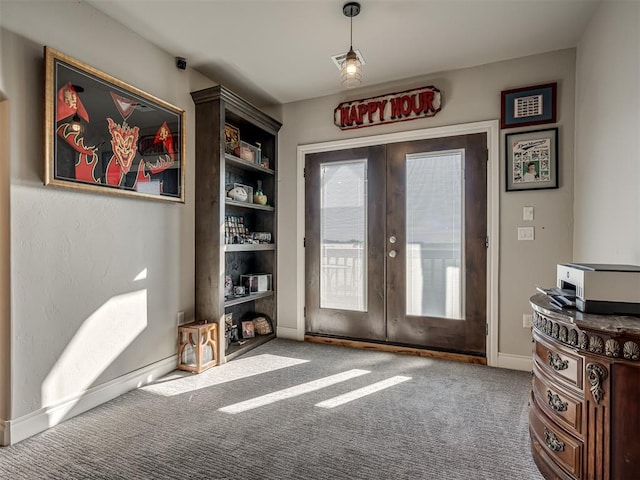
point(180, 318)
point(525, 233)
point(527, 320)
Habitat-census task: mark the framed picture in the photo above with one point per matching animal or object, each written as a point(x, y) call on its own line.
point(231, 138)
point(527, 106)
point(532, 160)
point(102, 135)
point(248, 329)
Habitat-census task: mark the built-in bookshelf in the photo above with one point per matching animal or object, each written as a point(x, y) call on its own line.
point(236, 146)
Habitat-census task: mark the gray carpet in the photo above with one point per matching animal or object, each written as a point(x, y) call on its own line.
point(448, 421)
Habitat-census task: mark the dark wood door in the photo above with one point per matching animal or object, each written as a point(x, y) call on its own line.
point(344, 238)
point(436, 243)
point(396, 243)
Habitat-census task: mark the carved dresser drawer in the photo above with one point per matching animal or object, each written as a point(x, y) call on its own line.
point(558, 362)
point(563, 408)
point(562, 448)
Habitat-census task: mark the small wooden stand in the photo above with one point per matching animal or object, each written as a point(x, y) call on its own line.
point(198, 346)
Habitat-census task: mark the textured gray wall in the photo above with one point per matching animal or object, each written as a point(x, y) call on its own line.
point(79, 317)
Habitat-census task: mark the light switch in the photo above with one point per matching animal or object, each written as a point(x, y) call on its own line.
point(527, 213)
point(525, 233)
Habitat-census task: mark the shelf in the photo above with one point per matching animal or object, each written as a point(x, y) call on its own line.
point(233, 160)
point(249, 247)
point(253, 206)
point(248, 298)
point(237, 350)
point(214, 108)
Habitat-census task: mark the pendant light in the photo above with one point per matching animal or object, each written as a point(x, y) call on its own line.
point(351, 69)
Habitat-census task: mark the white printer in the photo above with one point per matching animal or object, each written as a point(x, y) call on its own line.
point(602, 288)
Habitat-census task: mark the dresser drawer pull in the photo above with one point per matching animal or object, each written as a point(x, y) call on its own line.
point(556, 403)
point(552, 441)
point(556, 362)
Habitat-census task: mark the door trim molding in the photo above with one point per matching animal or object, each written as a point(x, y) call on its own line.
point(491, 128)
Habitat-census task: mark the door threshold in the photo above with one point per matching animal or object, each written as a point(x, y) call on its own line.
point(385, 347)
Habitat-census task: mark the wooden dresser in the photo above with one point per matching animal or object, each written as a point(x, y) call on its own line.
point(584, 418)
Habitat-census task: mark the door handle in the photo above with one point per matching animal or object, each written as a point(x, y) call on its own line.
point(392, 253)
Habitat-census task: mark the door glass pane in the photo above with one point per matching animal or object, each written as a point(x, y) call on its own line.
point(343, 235)
point(434, 233)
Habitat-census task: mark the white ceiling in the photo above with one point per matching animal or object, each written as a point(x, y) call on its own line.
point(278, 51)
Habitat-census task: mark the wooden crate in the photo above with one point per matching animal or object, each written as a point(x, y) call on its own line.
point(197, 346)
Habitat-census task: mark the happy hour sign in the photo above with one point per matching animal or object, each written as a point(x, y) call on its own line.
point(394, 107)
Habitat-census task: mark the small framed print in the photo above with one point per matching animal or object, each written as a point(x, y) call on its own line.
point(532, 160)
point(522, 107)
point(231, 138)
point(248, 329)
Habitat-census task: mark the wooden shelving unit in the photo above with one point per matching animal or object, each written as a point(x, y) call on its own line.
point(233, 160)
point(216, 168)
point(250, 247)
point(250, 206)
point(236, 350)
point(248, 298)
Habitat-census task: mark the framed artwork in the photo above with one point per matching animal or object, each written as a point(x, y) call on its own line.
point(231, 138)
point(102, 135)
point(248, 329)
point(527, 106)
point(532, 160)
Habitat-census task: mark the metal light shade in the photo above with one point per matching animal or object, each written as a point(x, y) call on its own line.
point(351, 70)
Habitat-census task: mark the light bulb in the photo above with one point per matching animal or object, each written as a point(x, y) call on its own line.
point(351, 69)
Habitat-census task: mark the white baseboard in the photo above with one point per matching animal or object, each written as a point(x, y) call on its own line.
point(515, 362)
point(46, 417)
point(290, 333)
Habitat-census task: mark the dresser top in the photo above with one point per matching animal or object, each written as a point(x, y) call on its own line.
point(605, 323)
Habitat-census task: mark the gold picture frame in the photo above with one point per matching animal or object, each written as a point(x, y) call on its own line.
point(103, 135)
point(231, 138)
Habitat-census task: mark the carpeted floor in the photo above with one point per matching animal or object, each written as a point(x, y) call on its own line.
point(278, 413)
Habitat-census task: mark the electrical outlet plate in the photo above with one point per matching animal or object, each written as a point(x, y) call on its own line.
point(525, 233)
point(527, 320)
point(527, 214)
point(180, 318)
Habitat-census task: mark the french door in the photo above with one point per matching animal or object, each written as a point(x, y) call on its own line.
point(396, 243)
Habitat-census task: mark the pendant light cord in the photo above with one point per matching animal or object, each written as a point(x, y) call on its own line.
point(351, 37)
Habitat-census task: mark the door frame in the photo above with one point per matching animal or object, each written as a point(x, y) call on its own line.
point(5, 273)
point(491, 128)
